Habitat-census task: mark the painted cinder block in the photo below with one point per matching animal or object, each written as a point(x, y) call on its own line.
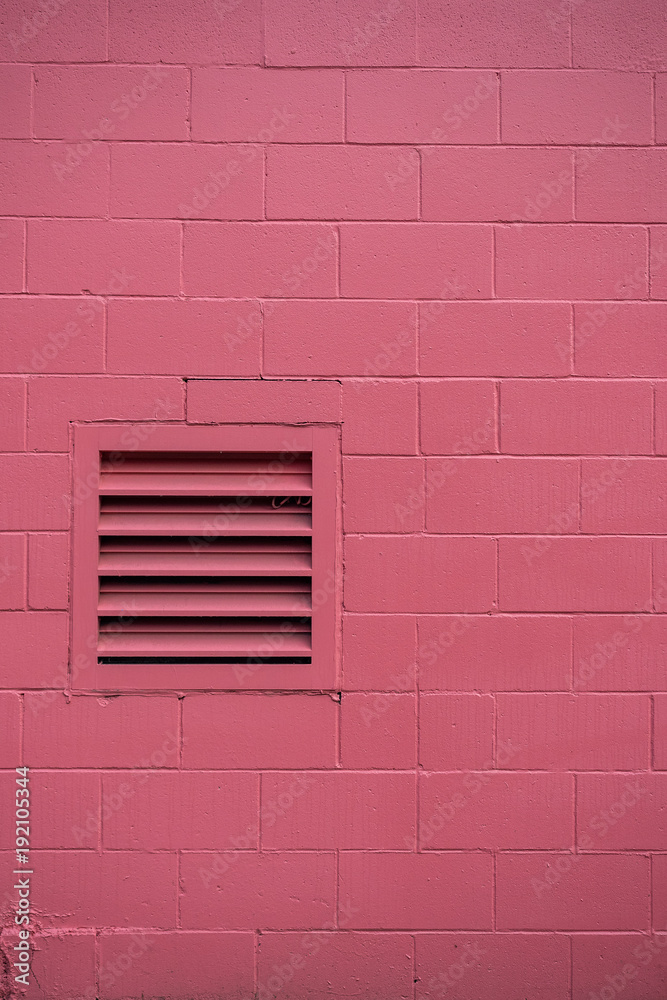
point(392, 891)
point(456, 732)
point(574, 573)
point(80, 103)
point(104, 257)
point(34, 650)
point(45, 478)
point(660, 727)
point(636, 963)
point(74, 32)
point(494, 652)
point(66, 961)
point(559, 891)
point(55, 178)
point(483, 494)
point(378, 730)
point(15, 83)
point(497, 965)
point(622, 185)
point(356, 34)
point(620, 339)
point(333, 338)
point(620, 652)
point(13, 572)
point(577, 107)
point(259, 731)
point(415, 573)
point(661, 107)
point(357, 214)
point(197, 811)
point(183, 180)
point(381, 260)
point(658, 261)
point(338, 182)
point(246, 890)
point(661, 418)
point(279, 401)
point(470, 34)
point(148, 961)
point(10, 734)
point(114, 889)
point(659, 574)
point(13, 398)
point(52, 334)
point(575, 417)
point(571, 262)
point(279, 106)
point(379, 416)
point(12, 254)
point(383, 495)
point(399, 105)
point(346, 963)
point(496, 810)
point(612, 35)
point(658, 887)
point(587, 732)
point(283, 260)
point(495, 339)
point(48, 570)
point(101, 732)
point(379, 652)
point(64, 809)
point(624, 496)
point(228, 33)
point(457, 417)
point(502, 184)
point(146, 337)
point(623, 812)
point(349, 810)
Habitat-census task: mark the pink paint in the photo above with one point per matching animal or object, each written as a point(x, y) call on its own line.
point(426, 243)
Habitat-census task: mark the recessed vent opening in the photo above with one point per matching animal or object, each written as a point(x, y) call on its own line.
point(205, 558)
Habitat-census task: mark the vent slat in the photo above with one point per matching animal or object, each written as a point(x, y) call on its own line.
point(156, 603)
point(164, 625)
point(205, 585)
point(250, 463)
point(202, 525)
point(144, 562)
point(203, 484)
point(241, 644)
point(232, 545)
point(225, 508)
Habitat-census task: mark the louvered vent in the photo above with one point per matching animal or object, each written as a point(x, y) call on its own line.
point(205, 558)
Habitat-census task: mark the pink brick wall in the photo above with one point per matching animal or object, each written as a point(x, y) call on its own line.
point(456, 213)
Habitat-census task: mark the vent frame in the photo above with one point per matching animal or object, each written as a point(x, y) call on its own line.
point(90, 441)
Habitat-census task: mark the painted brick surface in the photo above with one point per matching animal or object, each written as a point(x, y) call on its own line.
point(497, 964)
point(12, 255)
point(281, 106)
point(403, 890)
point(569, 891)
point(582, 107)
point(119, 102)
point(346, 809)
point(289, 890)
point(440, 228)
point(104, 258)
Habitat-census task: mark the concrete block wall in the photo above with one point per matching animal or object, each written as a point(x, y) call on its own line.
point(451, 215)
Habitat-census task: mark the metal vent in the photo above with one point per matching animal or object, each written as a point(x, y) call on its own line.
point(205, 558)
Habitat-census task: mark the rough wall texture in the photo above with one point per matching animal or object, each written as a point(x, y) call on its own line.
point(457, 214)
